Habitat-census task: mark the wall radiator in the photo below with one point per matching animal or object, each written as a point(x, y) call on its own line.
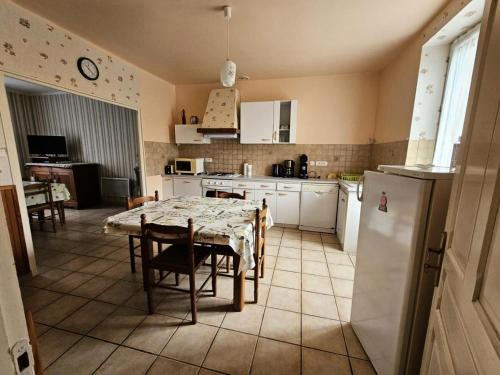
point(113, 188)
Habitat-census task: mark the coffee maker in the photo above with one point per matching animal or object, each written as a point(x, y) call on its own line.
point(289, 166)
point(303, 166)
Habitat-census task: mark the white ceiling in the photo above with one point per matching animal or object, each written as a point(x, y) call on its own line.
point(183, 41)
point(25, 87)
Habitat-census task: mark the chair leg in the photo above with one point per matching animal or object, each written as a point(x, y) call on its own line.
point(228, 265)
point(262, 265)
point(149, 292)
point(192, 292)
point(213, 261)
point(60, 211)
point(132, 254)
point(176, 279)
point(159, 252)
point(256, 280)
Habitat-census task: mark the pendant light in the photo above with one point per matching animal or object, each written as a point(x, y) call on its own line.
point(228, 68)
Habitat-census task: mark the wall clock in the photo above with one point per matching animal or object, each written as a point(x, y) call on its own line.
point(87, 68)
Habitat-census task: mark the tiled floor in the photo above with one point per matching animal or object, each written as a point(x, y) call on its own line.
point(91, 311)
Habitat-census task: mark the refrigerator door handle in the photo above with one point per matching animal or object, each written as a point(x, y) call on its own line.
point(358, 195)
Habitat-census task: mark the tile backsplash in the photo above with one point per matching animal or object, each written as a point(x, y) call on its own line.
point(229, 156)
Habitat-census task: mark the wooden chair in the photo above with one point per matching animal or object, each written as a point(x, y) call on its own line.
point(181, 257)
point(131, 204)
point(59, 205)
point(259, 246)
point(39, 209)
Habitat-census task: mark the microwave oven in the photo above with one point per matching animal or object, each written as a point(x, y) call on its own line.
point(189, 166)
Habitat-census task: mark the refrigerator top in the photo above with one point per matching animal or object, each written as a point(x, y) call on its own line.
point(425, 173)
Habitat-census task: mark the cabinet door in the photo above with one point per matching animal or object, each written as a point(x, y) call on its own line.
point(341, 216)
point(187, 187)
point(257, 121)
point(270, 196)
point(188, 134)
point(287, 207)
point(41, 173)
point(285, 121)
point(249, 193)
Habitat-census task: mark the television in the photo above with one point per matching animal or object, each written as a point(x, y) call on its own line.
point(47, 145)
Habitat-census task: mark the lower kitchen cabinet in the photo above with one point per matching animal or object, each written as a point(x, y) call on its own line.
point(186, 186)
point(349, 210)
point(270, 196)
point(287, 207)
point(249, 193)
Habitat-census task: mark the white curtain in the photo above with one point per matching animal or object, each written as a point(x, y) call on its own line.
point(456, 93)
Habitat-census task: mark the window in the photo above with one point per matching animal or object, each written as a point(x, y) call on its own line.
point(456, 94)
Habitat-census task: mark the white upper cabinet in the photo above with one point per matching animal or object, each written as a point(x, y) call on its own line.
point(188, 134)
point(268, 122)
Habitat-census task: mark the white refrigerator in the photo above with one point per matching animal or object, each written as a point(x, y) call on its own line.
point(403, 213)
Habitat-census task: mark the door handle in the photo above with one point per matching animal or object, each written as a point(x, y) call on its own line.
point(265, 139)
point(358, 185)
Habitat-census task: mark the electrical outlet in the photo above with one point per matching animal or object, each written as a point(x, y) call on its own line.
point(208, 160)
point(321, 163)
point(312, 163)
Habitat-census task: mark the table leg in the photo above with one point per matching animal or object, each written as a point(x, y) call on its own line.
point(239, 285)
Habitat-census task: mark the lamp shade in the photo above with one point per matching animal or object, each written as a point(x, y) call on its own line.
point(228, 73)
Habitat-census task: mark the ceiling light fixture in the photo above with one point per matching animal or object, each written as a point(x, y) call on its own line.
point(228, 68)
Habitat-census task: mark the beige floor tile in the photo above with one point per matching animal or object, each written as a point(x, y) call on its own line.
point(329, 238)
point(291, 243)
point(248, 321)
point(338, 258)
point(275, 357)
point(317, 284)
point(342, 287)
point(315, 268)
point(39, 298)
point(119, 292)
point(224, 287)
point(102, 251)
point(274, 233)
point(205, 371)
point(119, 254)
point(286, 279)
point(354, 347)
point(117, 326)
point(353, 259)
point(59, 310)
point(54, 343)
point(70, 282)
point(268, 275)
point(284, 298)
point(126, 361)
point(93, 287)
point(312, 255)
point(40, 329)
point(281, 325)
point(312, 245)
point(263, 293)
point(316, 362)
point(57, 260)
point(190, 343)
point(332, 248)
point(321, 305)
point(323, 334)
point(47, 278)
point(212, 310)
point(122, 271)
point(341, 272)
point(270, 261)
point(87, 317)
point(272, 250)
point(344, 307)
point(361, 367)
point(271, 240)
point(176, 304)
point(78, 263)
point(310, 236)
point(231, 352)
point(99, 266)
point(164, 366)
point(290, 252)
point(153, 333)
point(288, 264)
point(83, 358)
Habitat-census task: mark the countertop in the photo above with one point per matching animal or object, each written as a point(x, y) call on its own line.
point(58, 165)
point(260, 178)
point(349, 186)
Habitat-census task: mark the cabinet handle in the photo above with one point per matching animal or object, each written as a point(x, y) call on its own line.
point(269, 193)
point(241, 185)
point(196, 140)
point(282, 194)
point(265, 139)
point(274, 135)
point(287, 187)
point(342, 199)
point(264, 186)
point(186, 182)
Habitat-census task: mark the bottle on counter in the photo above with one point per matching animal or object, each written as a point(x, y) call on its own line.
point(249, 170)
point(245, 169)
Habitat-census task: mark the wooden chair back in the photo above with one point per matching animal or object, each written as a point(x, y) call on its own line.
point(225, 194)
point(37, 189)
point(170, 235)
point(139, 201)
point(260, 228)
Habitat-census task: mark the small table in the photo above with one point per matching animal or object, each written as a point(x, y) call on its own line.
point(60, 193)
point(223, 222)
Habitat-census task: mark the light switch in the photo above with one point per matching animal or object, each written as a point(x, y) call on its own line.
point(321, 163)
point(312, 163)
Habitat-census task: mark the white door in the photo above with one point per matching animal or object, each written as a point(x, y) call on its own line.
point(463, 335)
point(270, 196)
point(257, 122)
point(341, 216)
point(288, 207)
point(187, 186)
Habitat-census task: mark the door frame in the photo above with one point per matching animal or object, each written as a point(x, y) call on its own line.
point(11, 147)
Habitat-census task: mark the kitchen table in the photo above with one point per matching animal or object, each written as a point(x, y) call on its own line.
point(222, 222)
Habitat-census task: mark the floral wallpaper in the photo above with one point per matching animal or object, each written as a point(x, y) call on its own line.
point(222, 109)
point(32, 47)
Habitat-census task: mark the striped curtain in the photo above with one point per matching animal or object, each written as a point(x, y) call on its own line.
point(96, 132)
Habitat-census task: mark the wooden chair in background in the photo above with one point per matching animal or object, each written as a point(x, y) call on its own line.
point(181, 257)
point(131, 204)
point(39, 209)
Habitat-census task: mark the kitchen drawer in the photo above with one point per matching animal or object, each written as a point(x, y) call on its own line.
point(243, 184)
point(263, 185)
point(289, 187)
